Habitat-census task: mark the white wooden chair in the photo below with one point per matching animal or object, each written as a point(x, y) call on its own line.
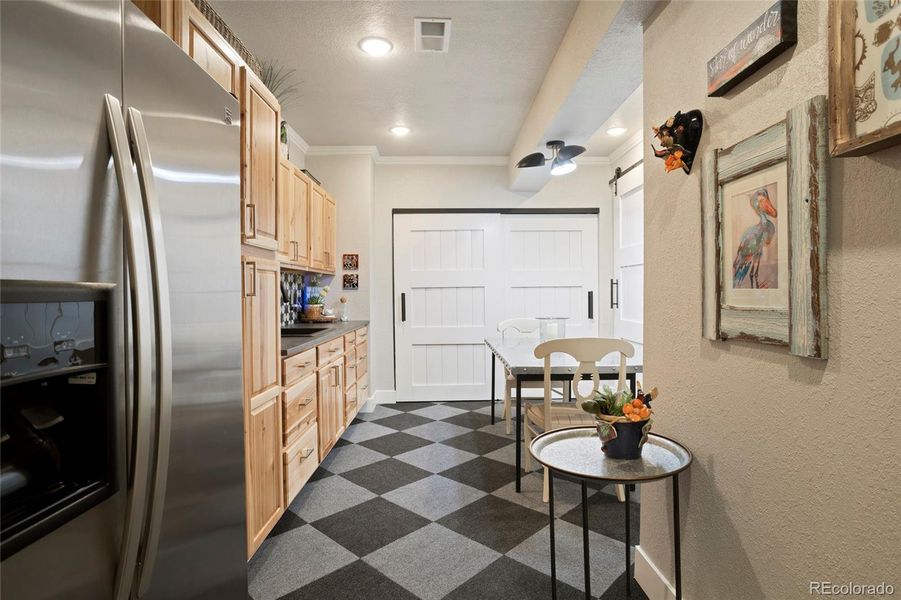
point(523, 326)
point(546, 416)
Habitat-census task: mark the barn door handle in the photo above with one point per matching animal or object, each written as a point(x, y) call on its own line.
point(591, 305)
point(614, 293)
point(403, 307)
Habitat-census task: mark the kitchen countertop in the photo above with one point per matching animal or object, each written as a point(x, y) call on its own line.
point(294, 343)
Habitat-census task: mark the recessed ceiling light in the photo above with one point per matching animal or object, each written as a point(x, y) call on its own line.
point(399, 130)
point(375, 46)
point(616, 131)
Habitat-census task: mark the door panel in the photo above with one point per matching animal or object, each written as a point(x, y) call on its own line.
point(317, 227)
point(447, 268)
point(264, 464)
point(628, 259)
point(260, 122)
point(301, 218)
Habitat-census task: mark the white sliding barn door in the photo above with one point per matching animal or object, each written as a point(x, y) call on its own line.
point(446, 269)
point(627, 291)
point(551, 269)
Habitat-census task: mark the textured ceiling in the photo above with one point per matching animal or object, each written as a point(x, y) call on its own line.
point(470, 101)
point(628, 115)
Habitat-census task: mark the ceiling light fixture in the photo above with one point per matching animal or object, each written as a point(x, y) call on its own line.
point(616, 131)
point(375, 46)
point(561, 158)
point(399, 130)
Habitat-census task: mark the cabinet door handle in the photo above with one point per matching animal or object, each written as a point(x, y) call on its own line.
point(253, 281)
point(306, 454)
point(306, 401)
point(253, 221)
point(590, 305)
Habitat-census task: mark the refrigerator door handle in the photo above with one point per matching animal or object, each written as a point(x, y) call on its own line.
point(160, 278)
point(137, 260)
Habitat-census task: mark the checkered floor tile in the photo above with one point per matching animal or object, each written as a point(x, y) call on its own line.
point(417, 501)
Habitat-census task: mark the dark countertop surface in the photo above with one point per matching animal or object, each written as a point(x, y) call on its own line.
point(295, 340)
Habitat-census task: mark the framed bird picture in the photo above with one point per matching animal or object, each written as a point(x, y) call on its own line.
point(864, 76)
point(764, 234)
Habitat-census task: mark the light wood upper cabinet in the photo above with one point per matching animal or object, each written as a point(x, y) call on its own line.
point(301, 222)
point(317, 230)
point(260, 122)
point(163, 13)
point(294, 215)
point(262, 327)
point(263, 465)
point(330, 224)
point(206, 46)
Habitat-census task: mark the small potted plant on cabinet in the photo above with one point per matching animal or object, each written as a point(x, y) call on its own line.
point(314, 298)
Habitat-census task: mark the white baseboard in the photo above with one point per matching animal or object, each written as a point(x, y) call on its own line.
point(383, 397)
point(651, 579)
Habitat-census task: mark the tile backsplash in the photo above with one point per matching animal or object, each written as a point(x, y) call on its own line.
point(294, 283)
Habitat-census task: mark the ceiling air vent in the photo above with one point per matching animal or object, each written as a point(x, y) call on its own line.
point(432, 35)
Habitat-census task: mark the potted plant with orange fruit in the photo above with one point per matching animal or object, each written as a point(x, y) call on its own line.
point(623, 420)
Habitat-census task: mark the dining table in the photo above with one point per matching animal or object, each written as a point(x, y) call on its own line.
point(517, 356)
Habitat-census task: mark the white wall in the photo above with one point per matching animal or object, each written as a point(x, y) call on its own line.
point(463, 186)
point(349, 179)
point(793, 480)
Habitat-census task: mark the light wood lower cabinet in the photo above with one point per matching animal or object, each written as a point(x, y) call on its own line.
point(261, 326)
point(301, 459)
point(263, 444)
point(300, 408)
point(331, 405)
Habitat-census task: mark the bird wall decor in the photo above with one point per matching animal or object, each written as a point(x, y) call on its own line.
point(753, 242)
point(679, 136)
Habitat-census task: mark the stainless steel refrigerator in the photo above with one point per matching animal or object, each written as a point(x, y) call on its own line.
point(122, 421)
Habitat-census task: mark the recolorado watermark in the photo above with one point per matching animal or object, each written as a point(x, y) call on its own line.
point(850, 589)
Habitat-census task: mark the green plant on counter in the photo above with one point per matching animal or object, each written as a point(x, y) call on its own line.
point(322, 292)
point(608, 402)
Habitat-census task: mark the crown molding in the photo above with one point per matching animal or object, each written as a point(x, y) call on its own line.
point(297, 140)
point(626, 146)
point(372, 151)
point(480, 161)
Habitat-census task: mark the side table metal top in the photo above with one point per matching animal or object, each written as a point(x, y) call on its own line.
point(577, 451)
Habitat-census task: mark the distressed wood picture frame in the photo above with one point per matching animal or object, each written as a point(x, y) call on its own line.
point(846, 35)
point(799, 141)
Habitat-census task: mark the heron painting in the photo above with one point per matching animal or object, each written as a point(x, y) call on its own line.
point(755, 263)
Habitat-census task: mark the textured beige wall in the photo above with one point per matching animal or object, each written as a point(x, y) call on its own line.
point(792, 481)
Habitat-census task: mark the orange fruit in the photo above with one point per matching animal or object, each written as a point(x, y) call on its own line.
point(637, 403)
point(627, 409)
point(644, 413)
point(635, 417)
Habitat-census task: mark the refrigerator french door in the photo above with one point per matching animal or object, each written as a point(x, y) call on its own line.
point(120, 241)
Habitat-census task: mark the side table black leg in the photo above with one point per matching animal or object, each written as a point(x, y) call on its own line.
point(551, 517)
point(493, 367)
point(677, 550)
point(518, 434)
point(585, 540)
point(628, 545)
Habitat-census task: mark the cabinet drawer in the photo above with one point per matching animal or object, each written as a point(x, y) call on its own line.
point(330, 350)
point(362, 359)
point(350, 368)
point(349, 340)
point(301, 459)
point(350, 404)
point(362, 335)
point(363, 389)
point(299, 406)
point(296, 367)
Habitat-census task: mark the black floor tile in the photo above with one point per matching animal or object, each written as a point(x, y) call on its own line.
point(473, 420)
point(468, 405)
point(385, 475)
point(482, 473)
point(408, 406)
point(288, 522)
point(477, 442)
point(617, 591)
point(495, 522)
point(403, 421)
point(607, 516)
point(369, 526)
point(320, 473)
point(357, 581)
point(506, 578)
point(395, 443)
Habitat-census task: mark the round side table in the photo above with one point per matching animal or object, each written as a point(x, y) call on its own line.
point(575, 452)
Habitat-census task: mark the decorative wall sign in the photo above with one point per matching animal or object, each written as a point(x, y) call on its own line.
point(351, 281)
point(865, 93)
point(764, 234)
point(351, 262)
point(679, 136)
point(772, 32)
